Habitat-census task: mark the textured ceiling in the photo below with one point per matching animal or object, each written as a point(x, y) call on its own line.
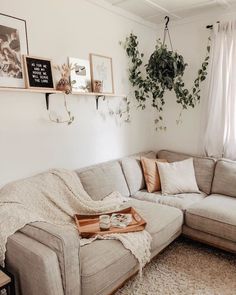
point(155, 10)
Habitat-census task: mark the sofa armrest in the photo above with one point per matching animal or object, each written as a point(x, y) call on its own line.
point(64, 241)
point(35, 267)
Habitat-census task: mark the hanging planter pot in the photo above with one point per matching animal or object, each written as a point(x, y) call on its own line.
point(164, 66)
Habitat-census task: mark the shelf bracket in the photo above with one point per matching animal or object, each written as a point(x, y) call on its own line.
point(47, 99)
point(47, 94)
point(97, 99)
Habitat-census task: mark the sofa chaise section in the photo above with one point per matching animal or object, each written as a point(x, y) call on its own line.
point(213, 220)
point(106, 264)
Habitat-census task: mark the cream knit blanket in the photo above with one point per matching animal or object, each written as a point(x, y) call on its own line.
point(54, 197)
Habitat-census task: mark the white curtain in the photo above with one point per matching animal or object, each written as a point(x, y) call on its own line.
point(220, 131)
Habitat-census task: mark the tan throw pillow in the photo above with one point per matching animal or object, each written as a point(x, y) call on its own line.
point(151, 174)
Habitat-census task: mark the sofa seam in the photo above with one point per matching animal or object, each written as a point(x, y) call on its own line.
point(126, 181)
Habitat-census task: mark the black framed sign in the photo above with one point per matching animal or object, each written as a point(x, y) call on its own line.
point(38, 73)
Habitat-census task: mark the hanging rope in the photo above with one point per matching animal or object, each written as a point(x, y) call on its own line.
point(166, 32)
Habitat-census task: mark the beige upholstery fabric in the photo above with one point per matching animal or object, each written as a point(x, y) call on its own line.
point(34, 266)
point(215, 215)
point(144, 195)
point(103, 262)
point(133, 171)
point(182, 201)
point(224, 181)
point(102, 179)
point(162, 221)
point(203, 166)
point(209, 239)
point(65, 243)
point(113, 261)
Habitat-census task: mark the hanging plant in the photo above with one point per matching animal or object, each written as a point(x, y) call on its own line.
point(164, 71)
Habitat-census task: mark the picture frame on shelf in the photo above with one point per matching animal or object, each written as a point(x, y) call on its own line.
point(13, 44)
point(80, 77)
point(102, 73)
point(38, 73)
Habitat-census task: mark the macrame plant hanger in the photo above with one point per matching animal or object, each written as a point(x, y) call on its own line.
point(167, 33)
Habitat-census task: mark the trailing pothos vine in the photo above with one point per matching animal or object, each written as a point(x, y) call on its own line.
point(164, 71)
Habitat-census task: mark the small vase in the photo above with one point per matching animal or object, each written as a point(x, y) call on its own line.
point(98, 86)
point(64, 85)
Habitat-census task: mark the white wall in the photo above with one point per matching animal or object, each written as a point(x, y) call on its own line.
point(29, 142)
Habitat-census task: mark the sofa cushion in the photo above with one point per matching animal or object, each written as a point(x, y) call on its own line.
point(162, 221)
point(182, 201)
point(203, 166)
point(144, 195)
point(214, 215)
point(102, 179)
point(133, 171)
point(104, 262)
point(224, 181)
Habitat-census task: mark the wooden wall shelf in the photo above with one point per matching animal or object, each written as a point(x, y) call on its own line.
point(48, 92)
point(29, 90)
point(98, 95)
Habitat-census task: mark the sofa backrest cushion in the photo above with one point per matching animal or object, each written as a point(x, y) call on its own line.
point(203, 166)
point(133, 171)
point(102, 179)
point(224, 181)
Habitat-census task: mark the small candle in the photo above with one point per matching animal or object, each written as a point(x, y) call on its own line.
point(104, 222)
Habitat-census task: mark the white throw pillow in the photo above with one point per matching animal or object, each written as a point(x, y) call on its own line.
point(177, 177)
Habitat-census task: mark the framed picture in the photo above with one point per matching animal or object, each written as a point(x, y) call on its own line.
point(38, 72)
point(102, 73)
point(13, 43)
point(80, 75)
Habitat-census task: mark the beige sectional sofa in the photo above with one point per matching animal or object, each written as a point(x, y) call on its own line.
point(48, 260)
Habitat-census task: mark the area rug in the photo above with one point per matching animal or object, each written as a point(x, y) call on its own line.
point(186, 268)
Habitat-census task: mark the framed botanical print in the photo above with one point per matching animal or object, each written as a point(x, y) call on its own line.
point(13, 43)
point(80, 77)
point(102, 73)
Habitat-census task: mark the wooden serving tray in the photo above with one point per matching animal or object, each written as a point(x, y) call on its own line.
point(88, 225)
